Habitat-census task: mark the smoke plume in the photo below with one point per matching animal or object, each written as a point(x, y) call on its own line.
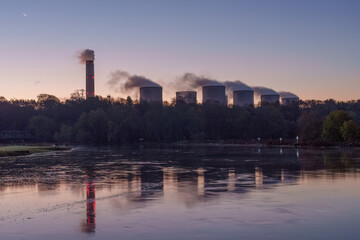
point(264, 91)
point(122, 81)
point(85, 55)
point(237, 86)
point(287, 95)
point(191, 81)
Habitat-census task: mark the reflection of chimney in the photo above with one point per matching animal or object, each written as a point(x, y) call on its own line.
point(90, 207)
point(90, 79)
point(201, 181)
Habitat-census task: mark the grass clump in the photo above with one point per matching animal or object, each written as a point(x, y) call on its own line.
point(25, 150)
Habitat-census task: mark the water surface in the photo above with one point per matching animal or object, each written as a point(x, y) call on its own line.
point(181, 193)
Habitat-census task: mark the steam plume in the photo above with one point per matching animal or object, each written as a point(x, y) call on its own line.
point(190, 80)
point(122, 81)
point(264, 91)
point(86, 54)
point(237, 86)
point(287, 95)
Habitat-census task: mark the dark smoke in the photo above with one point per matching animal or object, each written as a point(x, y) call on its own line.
point(287, 95)
point(122, 81)
point(116, 78)
point(190, 80)
point(139, 81)
point(264, 91)
point(85, 55)
point(237, 86)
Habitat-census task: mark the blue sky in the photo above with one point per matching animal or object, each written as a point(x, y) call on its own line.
point(307, 47)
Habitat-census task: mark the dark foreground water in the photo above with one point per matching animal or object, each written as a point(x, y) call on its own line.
point(181, 193)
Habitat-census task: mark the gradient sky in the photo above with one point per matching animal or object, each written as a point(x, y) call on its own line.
point(309, 47)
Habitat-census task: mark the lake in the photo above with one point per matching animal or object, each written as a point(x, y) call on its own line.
point(181, 193)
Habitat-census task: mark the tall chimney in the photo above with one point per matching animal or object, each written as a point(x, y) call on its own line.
point(90, 86)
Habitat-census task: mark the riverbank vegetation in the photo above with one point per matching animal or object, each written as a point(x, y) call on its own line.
point(109, 120)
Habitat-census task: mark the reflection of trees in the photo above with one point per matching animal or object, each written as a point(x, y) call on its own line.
point(133, 178)
point(339, 161)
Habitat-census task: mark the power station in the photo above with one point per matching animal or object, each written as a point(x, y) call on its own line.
point(288, 98)
point(188, 97)
point(214, 94)
point(151, 94)
point(90, 79)
point(269, 99)
point(243, 98)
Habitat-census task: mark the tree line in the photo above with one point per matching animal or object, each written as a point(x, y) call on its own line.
point(108, 120)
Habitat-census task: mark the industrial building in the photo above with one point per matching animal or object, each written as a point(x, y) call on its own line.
point(90, 79)
point(188, 97)
point(242, 98)
point(269, 99)
point(288, 98)
point(151, 94)
point(214, 94)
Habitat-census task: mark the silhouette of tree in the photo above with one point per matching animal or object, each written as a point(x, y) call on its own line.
point(104, 120)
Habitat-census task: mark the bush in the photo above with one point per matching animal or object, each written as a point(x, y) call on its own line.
point(332, 126)
point(350, 131)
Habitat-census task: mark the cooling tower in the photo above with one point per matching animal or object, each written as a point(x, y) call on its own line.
point(188, 97)
point(90, 86)
point(214, 94)
point(151, 94)
point(270, 99)
point(289, 100)
point(243, 98)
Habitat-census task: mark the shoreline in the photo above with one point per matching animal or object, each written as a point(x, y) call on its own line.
point(23, 150)
point(267, 145)
point(20, 150)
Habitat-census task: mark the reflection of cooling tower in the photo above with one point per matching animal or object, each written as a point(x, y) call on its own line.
point(186, 96)
point(243, 98)
point(270, 99)
point(214, 94)
point(151, 94)
point(259, 180)
point(289, 100)
point(90, 86)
